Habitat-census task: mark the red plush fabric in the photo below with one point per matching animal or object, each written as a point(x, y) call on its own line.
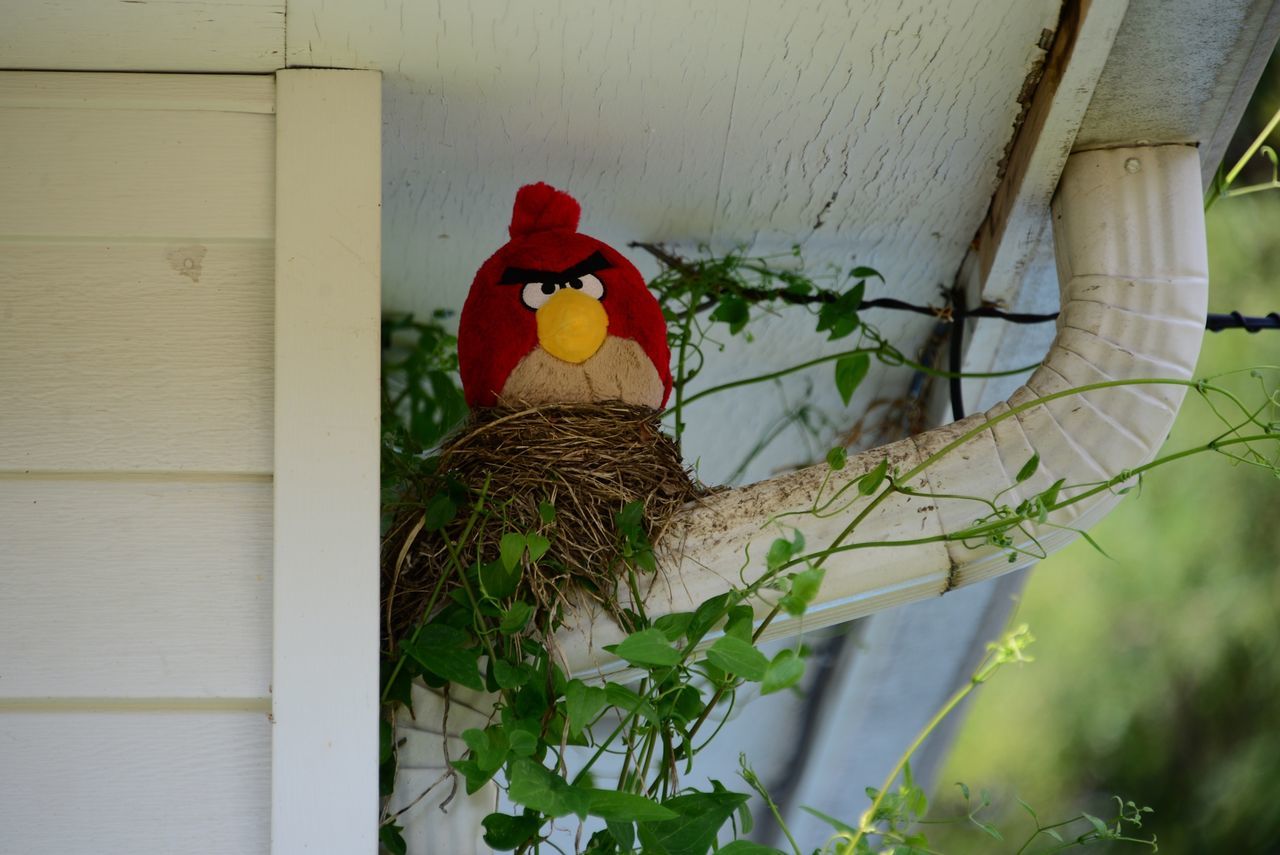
point(497, 330)
point(540, 208)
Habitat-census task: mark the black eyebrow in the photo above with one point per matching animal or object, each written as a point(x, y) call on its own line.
point(520, 275)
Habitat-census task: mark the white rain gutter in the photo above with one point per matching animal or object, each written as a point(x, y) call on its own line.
point(1132, 267)
point(1133, 273)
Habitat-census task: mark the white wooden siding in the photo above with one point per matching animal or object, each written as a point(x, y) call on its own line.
point(137, 173)
point(135, 588)
point(151, 355)
point(114, 91)
point(144, 35)
point(125, 783)
point(136, 385)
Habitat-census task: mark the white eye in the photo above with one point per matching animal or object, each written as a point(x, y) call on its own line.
point(589, 285)
point(537, 293)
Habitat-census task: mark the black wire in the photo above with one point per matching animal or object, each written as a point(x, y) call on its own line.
point(955, 353)
point(955, 314)
point(1237, 321)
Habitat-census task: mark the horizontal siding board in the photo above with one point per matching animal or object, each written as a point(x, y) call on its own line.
point(106, 91)
point(135, 589)
point(136, 173)
point(137, 356)
point(155, 35)
point(81, 783)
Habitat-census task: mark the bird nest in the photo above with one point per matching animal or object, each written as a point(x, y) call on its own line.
point(561, 472)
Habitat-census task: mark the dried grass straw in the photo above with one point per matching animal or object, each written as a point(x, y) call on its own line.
point(587, 460)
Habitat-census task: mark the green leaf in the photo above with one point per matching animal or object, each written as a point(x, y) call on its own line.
point(783, 672)
point(693, 831)
point(627, 701)
point(837, 457)
point(916, 801)
point(624, 834)
point(515, 618)
point(738, 657)
point(489, 747)
point(630, 519)
point(475, 776)
point(1028, 469)
point(546, 512)
point(386, 741)
point(674, 625)
point(740, 623)
point(733, 311)
point(837, 824)
point(442, 650)
point(707, 615)
point(511, 549)
point(646, 648)
point(989, 829)
point(840, 316)
point(645, 560)
point(399, 687)
point(684, 704)
point(392, 840)
point(533, 785)
point(746, 847)
point(505, 832)
point(853, 297)
point(498, 581)
point(538, 546)
point(850, 371)
point(871, 482)
point(615, 806)
point(1049, 497)
point(440, 512)
point(524, 743)
point(582, 703)
point(779, 553)
point(1098, 825)
point(804, 587)
point(509, 676)
point(861, 272)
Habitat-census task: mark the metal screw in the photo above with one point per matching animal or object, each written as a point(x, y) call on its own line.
point(1132, 165)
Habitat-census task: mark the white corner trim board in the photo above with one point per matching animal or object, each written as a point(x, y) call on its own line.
point(1129, 236)
point(325, 671)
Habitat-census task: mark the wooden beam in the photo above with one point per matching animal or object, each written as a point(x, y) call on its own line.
point(328, 232)
point(1015, 222)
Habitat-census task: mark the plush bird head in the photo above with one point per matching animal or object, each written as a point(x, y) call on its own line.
point(555, 316)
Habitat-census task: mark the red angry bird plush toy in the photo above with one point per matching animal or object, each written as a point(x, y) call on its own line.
point(559, 317)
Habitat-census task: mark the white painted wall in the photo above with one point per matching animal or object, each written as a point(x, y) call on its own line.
point(136, 387)
point(870, 132)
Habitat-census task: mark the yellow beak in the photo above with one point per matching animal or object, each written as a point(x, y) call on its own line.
point(572, 326)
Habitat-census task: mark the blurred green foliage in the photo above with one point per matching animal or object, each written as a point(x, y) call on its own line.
point(1159, 669)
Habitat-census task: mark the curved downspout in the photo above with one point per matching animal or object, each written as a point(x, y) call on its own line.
point(1132, 267)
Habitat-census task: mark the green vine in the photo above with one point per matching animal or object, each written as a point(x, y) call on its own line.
point(1221, 186)
point(482, 636)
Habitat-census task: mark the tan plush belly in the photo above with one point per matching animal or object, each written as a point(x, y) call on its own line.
point(619, 371)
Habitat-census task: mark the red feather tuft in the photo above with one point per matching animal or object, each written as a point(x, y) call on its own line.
point(542, 208)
